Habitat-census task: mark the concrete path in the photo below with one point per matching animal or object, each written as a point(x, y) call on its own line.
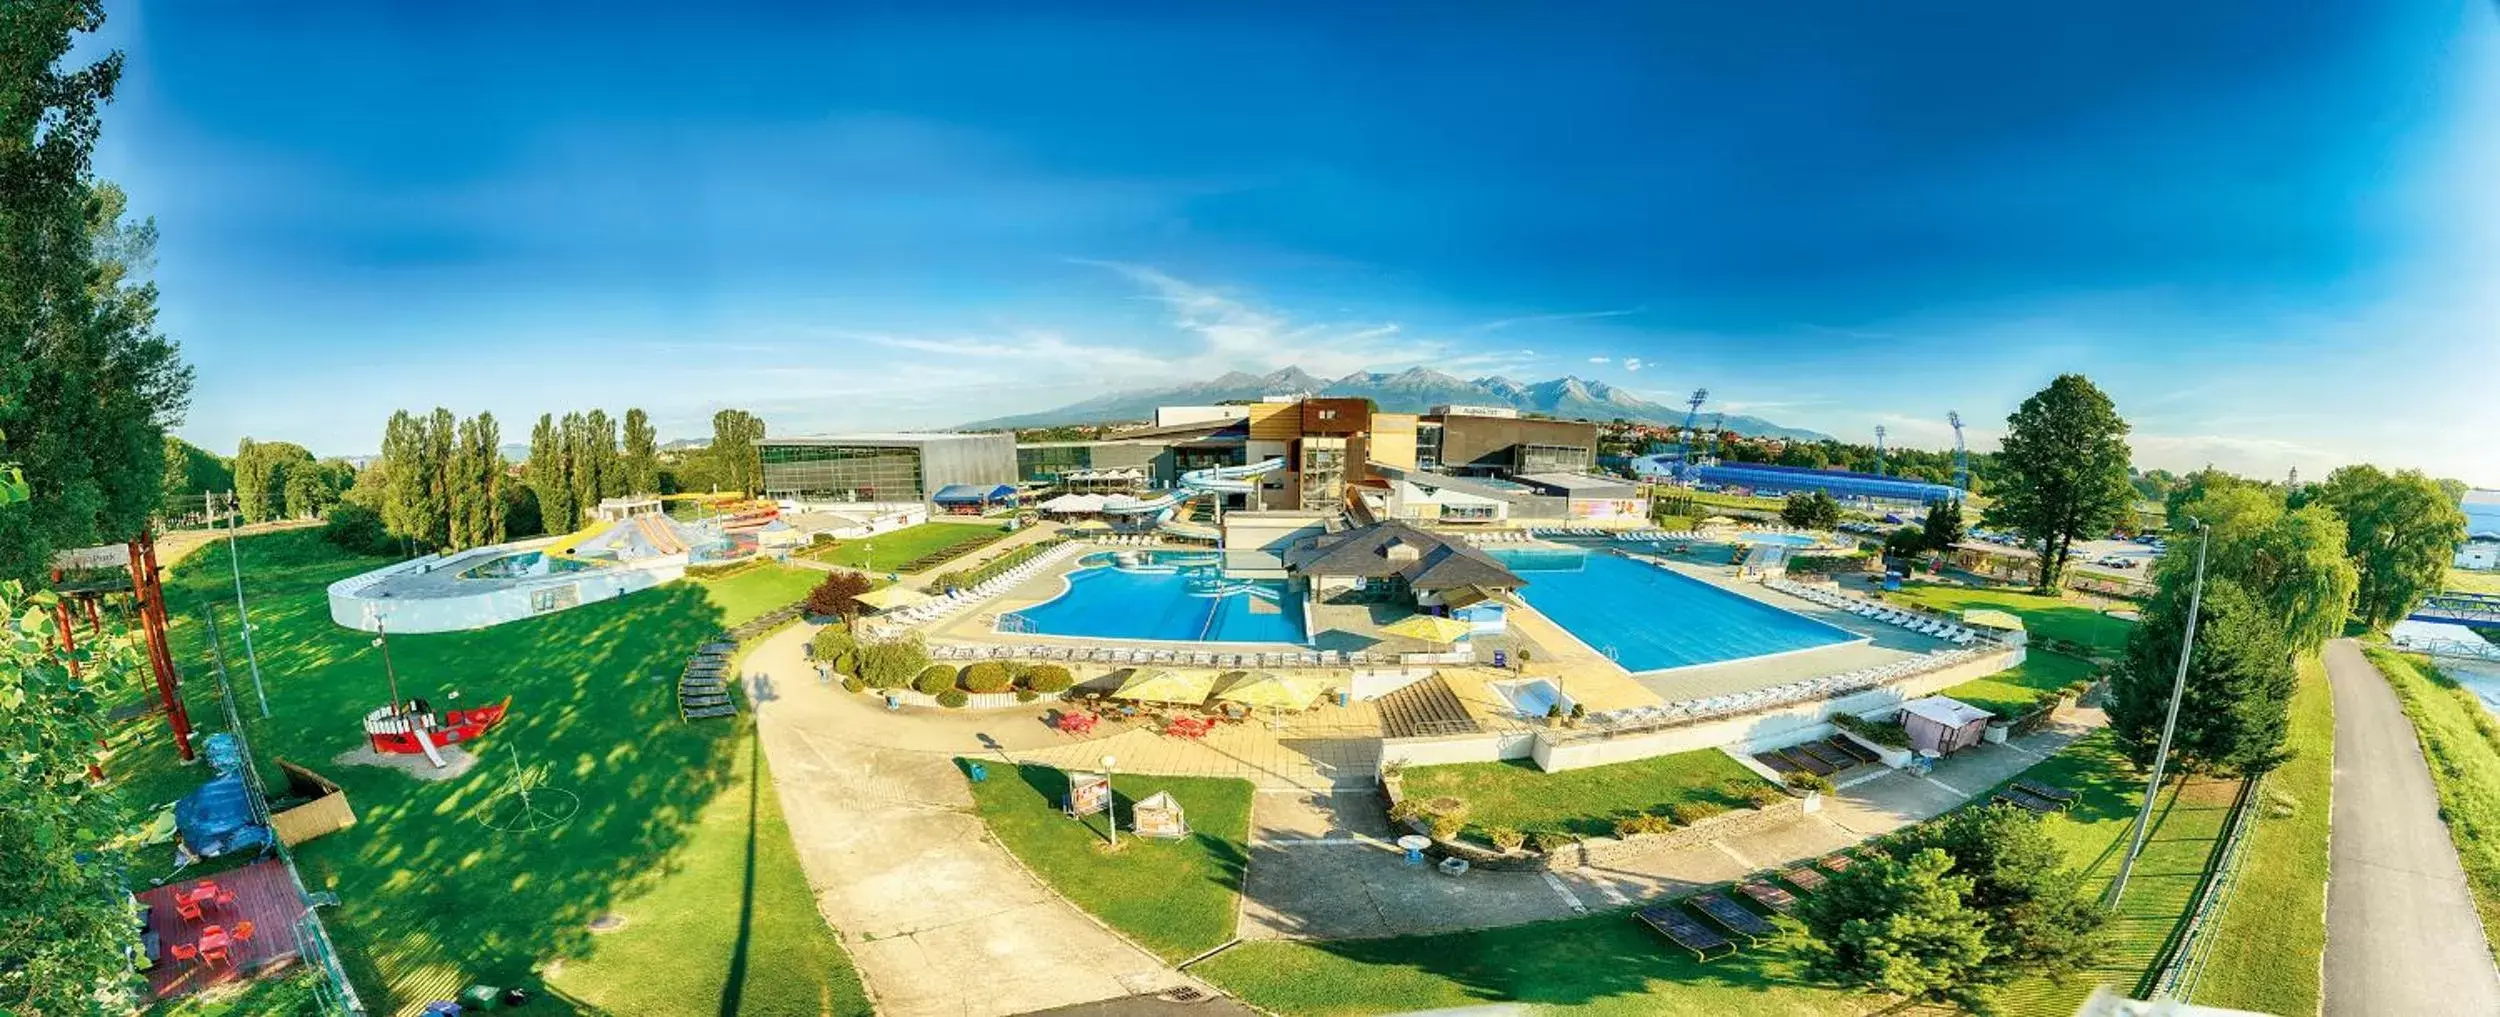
point(2402, 935)
point(938, 917)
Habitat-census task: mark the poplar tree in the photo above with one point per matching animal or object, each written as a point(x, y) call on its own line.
point(641, 460)
point(548, 478)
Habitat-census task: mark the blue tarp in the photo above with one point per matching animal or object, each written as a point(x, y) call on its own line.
point(973, 494)
point(217, 819)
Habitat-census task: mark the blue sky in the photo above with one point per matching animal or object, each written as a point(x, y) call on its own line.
point(2266, 228)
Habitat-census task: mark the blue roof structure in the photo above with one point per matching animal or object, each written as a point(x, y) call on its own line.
point(973, 494)
point(1763, 478)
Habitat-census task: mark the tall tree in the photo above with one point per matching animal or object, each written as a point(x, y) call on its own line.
point(263, 471)
point(442, 436)
point(88, 386)
point(1899, 927)
point(466, 509)
point(63, 902)
point(607, 469)
point(2401, 531)
point(2063, 471)
point(407, 510)
point(641, 461)
point(735, 462)
point(191, 474)
point(1813, 510)
point(1943, 527)
point(2292, 561)
point(2237, 702)
point(548, 477)
point(2040, 921)
point(580, 473)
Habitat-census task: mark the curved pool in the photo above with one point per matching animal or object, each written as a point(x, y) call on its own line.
point(1164, 596)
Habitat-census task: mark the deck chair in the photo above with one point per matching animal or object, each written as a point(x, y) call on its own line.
point(2054, 794)
point(1732, 917)
point(1805, 878)
point(1770, 897)
point(1683, 931)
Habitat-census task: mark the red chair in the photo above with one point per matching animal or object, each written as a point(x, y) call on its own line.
point(186, 907)
point(243, 932)
point(184, 952)
point(225, 898)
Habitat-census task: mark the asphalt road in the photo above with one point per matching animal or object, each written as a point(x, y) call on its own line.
point(2402, 936)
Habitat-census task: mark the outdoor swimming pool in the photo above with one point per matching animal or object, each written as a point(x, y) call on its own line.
point(1178, 597)
point(1532, 697)
point(1651, 619)
point(1783, 539)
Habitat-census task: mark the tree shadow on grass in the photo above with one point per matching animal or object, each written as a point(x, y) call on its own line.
point(1575, 961)
point(432, 900)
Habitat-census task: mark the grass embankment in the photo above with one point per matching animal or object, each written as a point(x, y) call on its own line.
point(1586, 801)
point(2072, 619)
point(758, 590)
point(2271, 939)
point(1606, 965)
point(2463, 581)
point(1177, 898)
point(433, 900)
point(2017, 689)
point(2462, 744)
point(925, 544)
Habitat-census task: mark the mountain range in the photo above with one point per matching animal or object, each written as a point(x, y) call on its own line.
point(1411, 391)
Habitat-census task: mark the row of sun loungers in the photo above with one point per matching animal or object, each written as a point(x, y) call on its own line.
point(1912, 620)
point(1125, 539)
point(1801, 690)
point(2034, 796)
point(1167, 658)
point(1500, 537)
point(1821, 759)
point(955, 601)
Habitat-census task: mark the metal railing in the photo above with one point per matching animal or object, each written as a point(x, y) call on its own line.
point(2180, 972)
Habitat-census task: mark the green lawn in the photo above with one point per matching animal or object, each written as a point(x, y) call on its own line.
point(2012, 691)
point(293, 995)
point(733, 928)
point(1585, 801)
point(430, 899)
point(1605, 965)
point(2463, 581)
point(886, 552)
point(2462, 744)
point(1177, 898)
point(2267, 949)
point(758, 590)
point(2074, 618)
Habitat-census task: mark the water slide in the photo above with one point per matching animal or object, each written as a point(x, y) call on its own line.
point(1196, 483)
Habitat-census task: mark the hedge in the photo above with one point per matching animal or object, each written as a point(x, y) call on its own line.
point(987, 676)
point(1048, 678)
point(938, 678)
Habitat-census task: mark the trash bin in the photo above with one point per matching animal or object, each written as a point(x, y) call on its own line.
point(977, 772)
point(1344, 698)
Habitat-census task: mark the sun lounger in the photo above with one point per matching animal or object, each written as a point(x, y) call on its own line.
point(1768, 896)
point(1732, 916)
point(1836, 863)
point(1805, 878)
point(1683, 931)
point(2024, 801)
point(1837, 759)
point(1851, 749)
point(1777, 762)
point(2054, 794)
point(1808, 762)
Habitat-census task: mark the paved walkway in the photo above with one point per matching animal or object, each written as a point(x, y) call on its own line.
point(2402, 935)
point(938, 917)
point(1322, 866)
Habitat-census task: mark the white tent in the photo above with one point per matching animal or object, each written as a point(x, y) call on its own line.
point(1073, 504)
point(1943, 725)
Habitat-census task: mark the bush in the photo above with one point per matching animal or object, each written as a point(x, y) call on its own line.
point(846, 663)
point(936, 679)
point(1445, 827)
point(831, 641)
point(1764, 797)
point(1550, 841)
point(838, 595)
point(1407, 810)
point(359, 529)
point(854, 685)
point(1049, 678)
point(953, 699)
point(1505, 838)
point(1804, 781)
point(894, 663)
point(1027, 695)
point(1633, 826)
point(1689, 813)
point(987, 676)
point(1887, 735)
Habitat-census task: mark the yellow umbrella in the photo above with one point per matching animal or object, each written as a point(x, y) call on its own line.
point(1185, 687)
point(1986, 618)
point(1089, 524)
point(894, 598)
point(1430, 628)
point(1273, 691)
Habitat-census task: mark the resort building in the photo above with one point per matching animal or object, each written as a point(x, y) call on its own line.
point(2480, 552)
point(1773, 481)
point(1468, 440)
point(883, 469)
point(1399, 561)
point(1587, 496)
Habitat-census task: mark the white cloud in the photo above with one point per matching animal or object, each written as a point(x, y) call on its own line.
point(1601, 360)
point(1499, 324)
point(1631, 363)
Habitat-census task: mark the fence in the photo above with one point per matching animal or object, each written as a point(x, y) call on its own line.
point(337, 994)
point(2177, 975)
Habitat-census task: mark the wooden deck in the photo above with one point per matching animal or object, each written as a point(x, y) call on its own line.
point(263, 896)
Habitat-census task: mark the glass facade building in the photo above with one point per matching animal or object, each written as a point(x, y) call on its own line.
point(888, 469)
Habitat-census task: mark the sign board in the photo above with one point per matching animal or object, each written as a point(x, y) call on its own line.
point(1088, 793)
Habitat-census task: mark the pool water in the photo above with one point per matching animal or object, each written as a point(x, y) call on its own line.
point(1783, 539)
point(1177, 597)
point(522, 566)
point(1534, 697)
point(1650, 619)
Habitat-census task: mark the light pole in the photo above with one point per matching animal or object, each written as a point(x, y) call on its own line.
point(234, 557)
point(2170, 721)
point(1110, 800)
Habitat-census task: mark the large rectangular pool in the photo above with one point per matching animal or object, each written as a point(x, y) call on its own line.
point(1164, 596)
point(1651, 619)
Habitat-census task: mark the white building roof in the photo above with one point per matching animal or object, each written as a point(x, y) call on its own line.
point(1946, 710)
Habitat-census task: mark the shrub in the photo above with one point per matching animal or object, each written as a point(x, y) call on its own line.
point(846, 663)
point(1407, 810)
point(1689, 813)
point(1049, 678)
point(854, 685)
point(987, 676)
point(1887, 735)
point(838, 595)
point(1804, 781)
point(358, 529)
point(1764, 797)
point(936, 679)
point(894, 663)
point(831, 641)
point(1027, 695)
point(1445, 827)
point(1550, 841)
point(953, 699)
point(1505, 838)
point(1633, 826)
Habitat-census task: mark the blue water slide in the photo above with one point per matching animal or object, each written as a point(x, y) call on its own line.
point(1195, 483)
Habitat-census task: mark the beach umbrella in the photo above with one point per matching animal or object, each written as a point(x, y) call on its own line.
point(894, 598)
point(1158, 686)
point(1992, 619)
point(1430, 628)
point(1274, 691)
